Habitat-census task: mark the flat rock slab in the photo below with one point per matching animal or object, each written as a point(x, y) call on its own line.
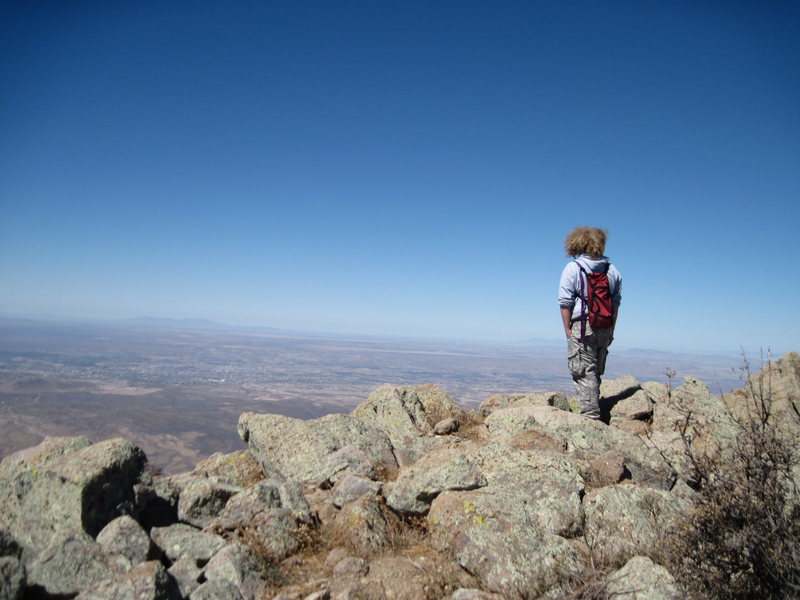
point(614, 390)
point(546, 486)
point(299, 449)
point(184, 541)
point(353, 487)
point(623, 521)
point(417, 485)
point(500, 401)
point(493, 537)
point(587, 439)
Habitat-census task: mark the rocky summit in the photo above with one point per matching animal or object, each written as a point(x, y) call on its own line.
point(407, 497)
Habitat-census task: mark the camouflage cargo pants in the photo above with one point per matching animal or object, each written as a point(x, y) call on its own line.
point(587, 363)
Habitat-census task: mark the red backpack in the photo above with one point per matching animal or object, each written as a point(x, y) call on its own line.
point(596, 300)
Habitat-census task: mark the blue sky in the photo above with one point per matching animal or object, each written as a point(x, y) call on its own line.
point(403, 168)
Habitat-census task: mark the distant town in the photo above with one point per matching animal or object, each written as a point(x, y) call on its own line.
point(177, 388)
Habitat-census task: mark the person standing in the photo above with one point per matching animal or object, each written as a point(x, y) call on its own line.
point(584, 300)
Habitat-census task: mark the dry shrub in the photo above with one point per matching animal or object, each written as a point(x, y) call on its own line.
point(591, 583)
point(406, 532)
point(386, 474)
point(743, 538)
point(471, 425)
point(471, 418)
point(594, 587)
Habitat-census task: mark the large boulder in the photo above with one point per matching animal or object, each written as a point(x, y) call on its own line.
point(642, 579)
point(615, 390)
point(239, 566)
point(72, 563)
point(238, 468)
point(352, 488)
point(633, 412)
point(397, 411)
point(182, 541)
point(202, 499)
point(274, 531)
point(300, 450)
point(125, 536)
point(77, 487)
point(623, 521)
point(586, 439)
point(48, 450)
point(407, 410)
point(491, 535)
point(704, 419)
point(505, 423)
point(364, 526)
point(148, 581)
point(673, 447)
point(155, 501)
point(265, 495)
point(782, 381)
point(349, 460)
point(417, 485)
point(408, 416)
point(547, 487)
point(437, 404)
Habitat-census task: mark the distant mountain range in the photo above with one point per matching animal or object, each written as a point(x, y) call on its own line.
point(167, 323)
point(189, 324)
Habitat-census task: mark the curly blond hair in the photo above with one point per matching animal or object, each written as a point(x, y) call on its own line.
point(586, 240)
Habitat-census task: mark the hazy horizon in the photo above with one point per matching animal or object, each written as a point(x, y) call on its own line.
point(200, 324)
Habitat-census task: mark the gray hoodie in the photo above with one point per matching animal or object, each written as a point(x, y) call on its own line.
point(569, 288)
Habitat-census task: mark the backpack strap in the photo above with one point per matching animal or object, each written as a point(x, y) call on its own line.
point(584, 301)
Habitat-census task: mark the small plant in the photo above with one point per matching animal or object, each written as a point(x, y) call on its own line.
point(742, 539)
point(471, 424)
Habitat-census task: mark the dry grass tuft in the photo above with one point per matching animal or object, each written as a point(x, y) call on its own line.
point(472, 425)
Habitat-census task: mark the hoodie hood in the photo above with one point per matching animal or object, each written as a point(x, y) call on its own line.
point(592, 264)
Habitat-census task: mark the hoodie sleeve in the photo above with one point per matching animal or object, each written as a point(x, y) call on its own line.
point(567, 286)
point(615, 283)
